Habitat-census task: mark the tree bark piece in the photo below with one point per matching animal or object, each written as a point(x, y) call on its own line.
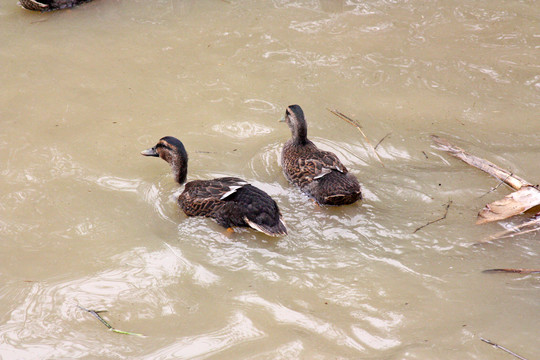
point(503, 175)
point(512, 204)
point(526, 196)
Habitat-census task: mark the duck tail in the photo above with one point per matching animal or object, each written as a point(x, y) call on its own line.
point(34, 5)
point(278, 229)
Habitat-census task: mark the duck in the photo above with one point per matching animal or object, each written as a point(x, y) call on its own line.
point(319, 174)
point(48, 5)
point(230, 201)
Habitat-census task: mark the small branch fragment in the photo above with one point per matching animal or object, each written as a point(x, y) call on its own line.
point(380, 141)
point(482, 164)
point(516, 230)
point(496, 187)
point(357, 125)
point(518, 271)
point(97, 316)
point(434, 221)
point(502, 348)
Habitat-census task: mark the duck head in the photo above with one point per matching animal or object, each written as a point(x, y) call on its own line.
point(294, 117)
point(172, 151)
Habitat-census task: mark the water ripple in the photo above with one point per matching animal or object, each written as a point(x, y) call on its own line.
point(310, 323)
point(239, 329)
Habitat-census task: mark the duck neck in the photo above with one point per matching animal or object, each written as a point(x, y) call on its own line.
point(300, 131)
point(179, 166)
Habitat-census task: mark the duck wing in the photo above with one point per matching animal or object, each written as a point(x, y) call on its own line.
point(319, 164)
point(233, 202)
point(251, 206)
point(203, 197)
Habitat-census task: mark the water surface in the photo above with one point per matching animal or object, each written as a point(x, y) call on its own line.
point(86, 220)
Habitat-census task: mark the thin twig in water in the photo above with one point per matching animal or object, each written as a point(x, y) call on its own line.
point(434, 221)
point(380, 141)
point(97, 316)
point(499, 184)
point(516, 230)
point(357, 125)
point(517, 271)
point(502, 348)
point(423, 152)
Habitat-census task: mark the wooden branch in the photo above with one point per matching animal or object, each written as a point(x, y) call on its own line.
point(380, 141)
point(502, 348)
point(526, 196)
point(357, 125)
point(434, 221)
point(503, 175)
point(519, 271)
point(97, 316)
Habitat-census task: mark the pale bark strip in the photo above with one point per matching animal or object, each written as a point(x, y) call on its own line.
point(526, 196)
point(512, 204)
point(503, 175)
point(516, 230)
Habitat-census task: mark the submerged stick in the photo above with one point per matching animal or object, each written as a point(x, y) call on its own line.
point(495, 187)
point(380, 141)
point(516, 230)
point(434, 221)
point(518, 271)
point(97, 316)
point(502, 348)
point(503, 175)
point(357, 125)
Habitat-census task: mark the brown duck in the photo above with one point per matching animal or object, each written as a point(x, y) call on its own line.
point(48, 5)
point(229, 200)
point(317, 173)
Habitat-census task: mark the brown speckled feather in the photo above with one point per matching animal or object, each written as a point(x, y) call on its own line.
point(317, 173)
point(47, 5)
point(203, 197)
point(303, 164)
point(232, 202)
point(228, 200)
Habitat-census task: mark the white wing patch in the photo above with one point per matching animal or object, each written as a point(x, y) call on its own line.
point(326, 171)
point(233, 190)
point(255, 226)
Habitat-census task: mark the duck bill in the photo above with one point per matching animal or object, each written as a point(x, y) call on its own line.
point(150, 152)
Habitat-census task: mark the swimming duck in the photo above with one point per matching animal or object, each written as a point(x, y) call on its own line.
point(228, 200)
point(48, 5)
point(317, 173)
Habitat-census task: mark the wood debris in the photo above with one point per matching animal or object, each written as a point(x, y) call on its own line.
point(356, 124)
point(524, 198)
point(517, 271)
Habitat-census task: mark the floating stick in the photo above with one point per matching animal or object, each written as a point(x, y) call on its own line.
point(357, 125)
point(97, 316)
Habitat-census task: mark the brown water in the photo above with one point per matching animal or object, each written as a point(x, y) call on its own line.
point(86, 220)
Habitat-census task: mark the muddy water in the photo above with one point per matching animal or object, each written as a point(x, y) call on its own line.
point(85, 220)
